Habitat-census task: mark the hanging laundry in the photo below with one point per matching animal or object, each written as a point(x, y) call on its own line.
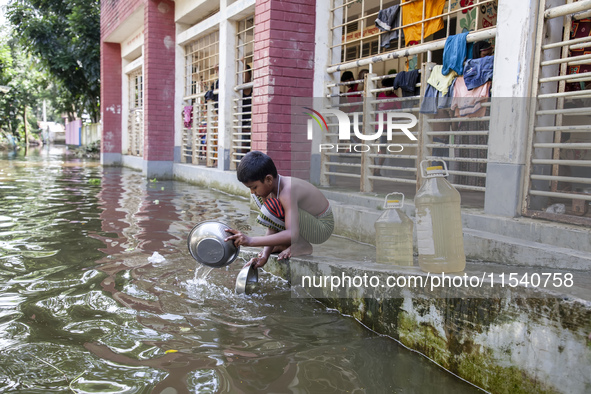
point(579, 29)
point(434, 100)
point(188, 116)
point(481, 49)
point(469, 102)
point(407, 81)
point(478, 71)
point(387, 20)
point(412, 11)
point(454, 53)
point(439, 81)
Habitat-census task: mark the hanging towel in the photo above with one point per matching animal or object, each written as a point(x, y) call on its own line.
point(435, 100)
point(469, 102)
point(188, 116)
point(407, 81)
point(478, 71)
point(454, 53)
point(413, 12)
point(387, 20)
point(439, 81)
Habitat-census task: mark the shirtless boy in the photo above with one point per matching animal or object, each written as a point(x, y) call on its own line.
point(295, 212)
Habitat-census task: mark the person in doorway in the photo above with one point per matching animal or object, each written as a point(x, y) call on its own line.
point(294, 211)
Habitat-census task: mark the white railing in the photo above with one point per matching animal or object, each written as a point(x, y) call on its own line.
point(368, 162)
point(355, 33)
point(461, 141)
point(241, 124)
point(91, 132)
point(558, 166)
point(135, 128)
point(200, 133)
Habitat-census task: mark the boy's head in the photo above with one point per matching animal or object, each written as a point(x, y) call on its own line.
point(255, 166)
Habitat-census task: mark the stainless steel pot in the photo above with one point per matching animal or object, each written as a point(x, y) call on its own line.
point(247, 278)
point(206, 244)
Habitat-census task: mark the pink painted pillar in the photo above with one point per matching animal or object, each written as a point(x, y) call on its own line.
point(111, 103)
point(284, 68)
point(159, 61)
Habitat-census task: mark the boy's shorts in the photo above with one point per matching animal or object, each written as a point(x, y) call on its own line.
point(314, 229)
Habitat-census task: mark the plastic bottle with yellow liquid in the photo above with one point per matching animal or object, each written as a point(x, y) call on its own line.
point(394, 233)
point(440, 239)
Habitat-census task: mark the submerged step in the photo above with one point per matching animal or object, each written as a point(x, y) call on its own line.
point(487, 246)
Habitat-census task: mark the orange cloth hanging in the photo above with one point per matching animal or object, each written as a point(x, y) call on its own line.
point(413, 12)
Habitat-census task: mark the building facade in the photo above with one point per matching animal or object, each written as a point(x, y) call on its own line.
point(190, 86)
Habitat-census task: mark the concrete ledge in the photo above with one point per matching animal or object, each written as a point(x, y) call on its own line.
point(214, 178)
point(513, 340)
point(133, 162)
point(533, 230)
point(111, 159)
point(482, 245)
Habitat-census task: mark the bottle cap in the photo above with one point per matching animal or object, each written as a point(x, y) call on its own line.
point(433, 171)
point(394, 200)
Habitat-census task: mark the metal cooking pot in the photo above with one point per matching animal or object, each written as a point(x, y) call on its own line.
point(206, 244)
point(247, 278)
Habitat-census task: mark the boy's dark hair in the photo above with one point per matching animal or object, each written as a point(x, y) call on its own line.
point(255, 166)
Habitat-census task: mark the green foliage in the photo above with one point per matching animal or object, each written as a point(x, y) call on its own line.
point(65, 36)
point(93, 147)
point(22, 74)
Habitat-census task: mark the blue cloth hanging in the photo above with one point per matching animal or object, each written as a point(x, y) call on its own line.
point(454, 53)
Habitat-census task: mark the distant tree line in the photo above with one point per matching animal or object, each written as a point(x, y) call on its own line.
point(51, 51)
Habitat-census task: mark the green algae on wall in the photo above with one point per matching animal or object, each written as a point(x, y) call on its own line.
point(503, 342)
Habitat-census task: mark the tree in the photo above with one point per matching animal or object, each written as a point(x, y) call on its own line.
point(22, 74)
point(65, 36)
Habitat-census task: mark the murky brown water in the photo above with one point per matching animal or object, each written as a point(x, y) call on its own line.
point(83, 310)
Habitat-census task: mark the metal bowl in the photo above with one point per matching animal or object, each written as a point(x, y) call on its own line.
point(246, 279)
point(206, 244)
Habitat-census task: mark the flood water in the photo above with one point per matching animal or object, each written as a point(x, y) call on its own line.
point(82, 309)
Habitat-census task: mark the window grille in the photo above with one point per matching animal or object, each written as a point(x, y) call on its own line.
point(242, 104)
point(200, 108)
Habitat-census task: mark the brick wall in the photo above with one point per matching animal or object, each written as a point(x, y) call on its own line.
point(111, 97)
point(159, 58)
point(113, 12)
point(284, 68)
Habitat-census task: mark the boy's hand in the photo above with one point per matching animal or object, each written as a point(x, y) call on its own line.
point(258, 262)
point(238, 238)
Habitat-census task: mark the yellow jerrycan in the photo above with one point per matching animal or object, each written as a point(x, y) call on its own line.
point(394, 233)
point(440, 240)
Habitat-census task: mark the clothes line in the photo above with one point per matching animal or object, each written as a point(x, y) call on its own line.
point(413, 50)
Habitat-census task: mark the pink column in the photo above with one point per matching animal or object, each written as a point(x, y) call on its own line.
point(159, 62)
point(284, 68)
point(111, 103)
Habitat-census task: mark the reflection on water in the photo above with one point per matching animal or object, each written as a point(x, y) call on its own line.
point(82, 309)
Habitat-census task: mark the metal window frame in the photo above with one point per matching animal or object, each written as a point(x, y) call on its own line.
point(135, 122)
point(569, 11)
point(200, 141)
point(242, 136)
point(372, 37)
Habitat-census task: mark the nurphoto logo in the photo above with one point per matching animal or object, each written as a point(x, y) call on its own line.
point(387, 122)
